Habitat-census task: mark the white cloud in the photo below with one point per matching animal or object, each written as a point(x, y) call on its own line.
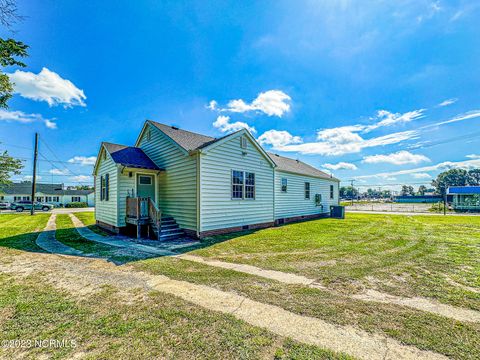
point(387, 118)
point(212, 105)
point(81, 178)
point(224, 125)
point(47, 86)
point(340, 166)
point(24, 118)
point(447, 102)
point(271, 102)
point(422, 176)
point(461, 117)
point(50, 124)
point(83, 160)
point(399, 158)
point(30, 177)
point(344, 140)
point(467, 164)
point(473, 156)
point(59, 172)
point(278, 138)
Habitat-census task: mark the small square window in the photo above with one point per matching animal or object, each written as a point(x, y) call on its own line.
point(243, 142)
point(284, 184)
point(331, 192)
point(145, 180)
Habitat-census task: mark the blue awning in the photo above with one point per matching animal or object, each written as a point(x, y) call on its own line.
point(463, 190)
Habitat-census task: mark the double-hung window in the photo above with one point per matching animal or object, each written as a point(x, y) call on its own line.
point(243, 185)
point(75, 198)
point(307, 190)
point(331, 192)
point(104, 187)
point(284, 184)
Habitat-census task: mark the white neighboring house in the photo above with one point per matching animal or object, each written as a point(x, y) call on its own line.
point(175, 182)
point(54, 194)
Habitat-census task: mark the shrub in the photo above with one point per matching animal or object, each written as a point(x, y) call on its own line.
point(76, 205)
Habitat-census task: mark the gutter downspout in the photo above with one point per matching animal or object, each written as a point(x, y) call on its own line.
point(198, 199)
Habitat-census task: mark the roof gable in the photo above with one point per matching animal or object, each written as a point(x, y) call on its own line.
point(237, 134)
point(25, 187)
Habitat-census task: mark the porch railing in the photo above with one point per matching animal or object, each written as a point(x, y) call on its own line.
point(154, 214)
point(138, 207)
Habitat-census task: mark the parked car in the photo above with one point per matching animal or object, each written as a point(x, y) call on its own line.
point(19, 206)
point(4, 205)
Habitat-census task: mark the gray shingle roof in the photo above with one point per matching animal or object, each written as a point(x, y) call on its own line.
point(130, 156)
point(191, 141)
point(186, 139)
point(25, 188)
point(298, 167)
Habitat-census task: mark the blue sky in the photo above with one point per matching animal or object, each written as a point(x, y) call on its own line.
point(382, 92)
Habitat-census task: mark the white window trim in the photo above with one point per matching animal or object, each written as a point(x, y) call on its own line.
point(244, 186)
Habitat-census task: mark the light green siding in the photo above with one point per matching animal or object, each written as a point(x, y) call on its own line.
point(107, 211)
point(293, 202)
point(218, 210)
point(126, 185)
point(177, 184)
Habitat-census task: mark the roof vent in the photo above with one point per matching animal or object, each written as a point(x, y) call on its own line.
point(277, 155)
point(175, 128)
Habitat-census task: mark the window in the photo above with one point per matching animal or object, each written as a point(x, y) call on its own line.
point(16, 198)
point(237, 184)
point(107, 186)
point(243, 142)
point(27, 198)
point(145, 180)
point(318, 199)
point(56, 199)
point(307, 190)
point(75, 198)
point(284, 185)
point(2, 197)
point(48, 198)
point(249, 185)
point(39, 198)
point(104, 187)
point(331, 192)
point(243, 185)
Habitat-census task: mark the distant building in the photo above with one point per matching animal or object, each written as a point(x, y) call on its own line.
point(418, 199)
point(465, 198)
point(55, 194)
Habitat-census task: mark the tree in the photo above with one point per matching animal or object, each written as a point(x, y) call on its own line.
point(473, 177)
point(348, 192)
point(407, 190)
point(453, 177)
point(422, 189)
point(8, 166)
point(9, 50)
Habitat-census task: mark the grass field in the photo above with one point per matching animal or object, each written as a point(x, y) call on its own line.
point(429, 257)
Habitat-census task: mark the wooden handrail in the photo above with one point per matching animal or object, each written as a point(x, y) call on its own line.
point(155, 214)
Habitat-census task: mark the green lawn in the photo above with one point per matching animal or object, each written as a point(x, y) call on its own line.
point(433, 257)
point(430, 256)
point(88, 218)
point(152, 326)
point(17, 231)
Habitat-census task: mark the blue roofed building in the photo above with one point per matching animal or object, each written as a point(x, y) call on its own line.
point(465, 198)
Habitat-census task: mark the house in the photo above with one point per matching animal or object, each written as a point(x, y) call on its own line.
point(465, 198)
point(55, 194)
point(203, 185)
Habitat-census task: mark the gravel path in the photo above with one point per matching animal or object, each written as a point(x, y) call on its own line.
point(47, 241)
point(81, 276)
point(416, 303)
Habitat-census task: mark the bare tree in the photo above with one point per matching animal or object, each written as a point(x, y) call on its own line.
point(9, 13)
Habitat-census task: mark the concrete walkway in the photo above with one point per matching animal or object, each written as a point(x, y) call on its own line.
point(116, 241)
point(47, 241)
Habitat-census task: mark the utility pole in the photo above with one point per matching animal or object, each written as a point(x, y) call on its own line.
point(353, 190)
point(34, 176)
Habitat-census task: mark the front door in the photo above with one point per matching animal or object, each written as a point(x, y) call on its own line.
point(146, 186)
